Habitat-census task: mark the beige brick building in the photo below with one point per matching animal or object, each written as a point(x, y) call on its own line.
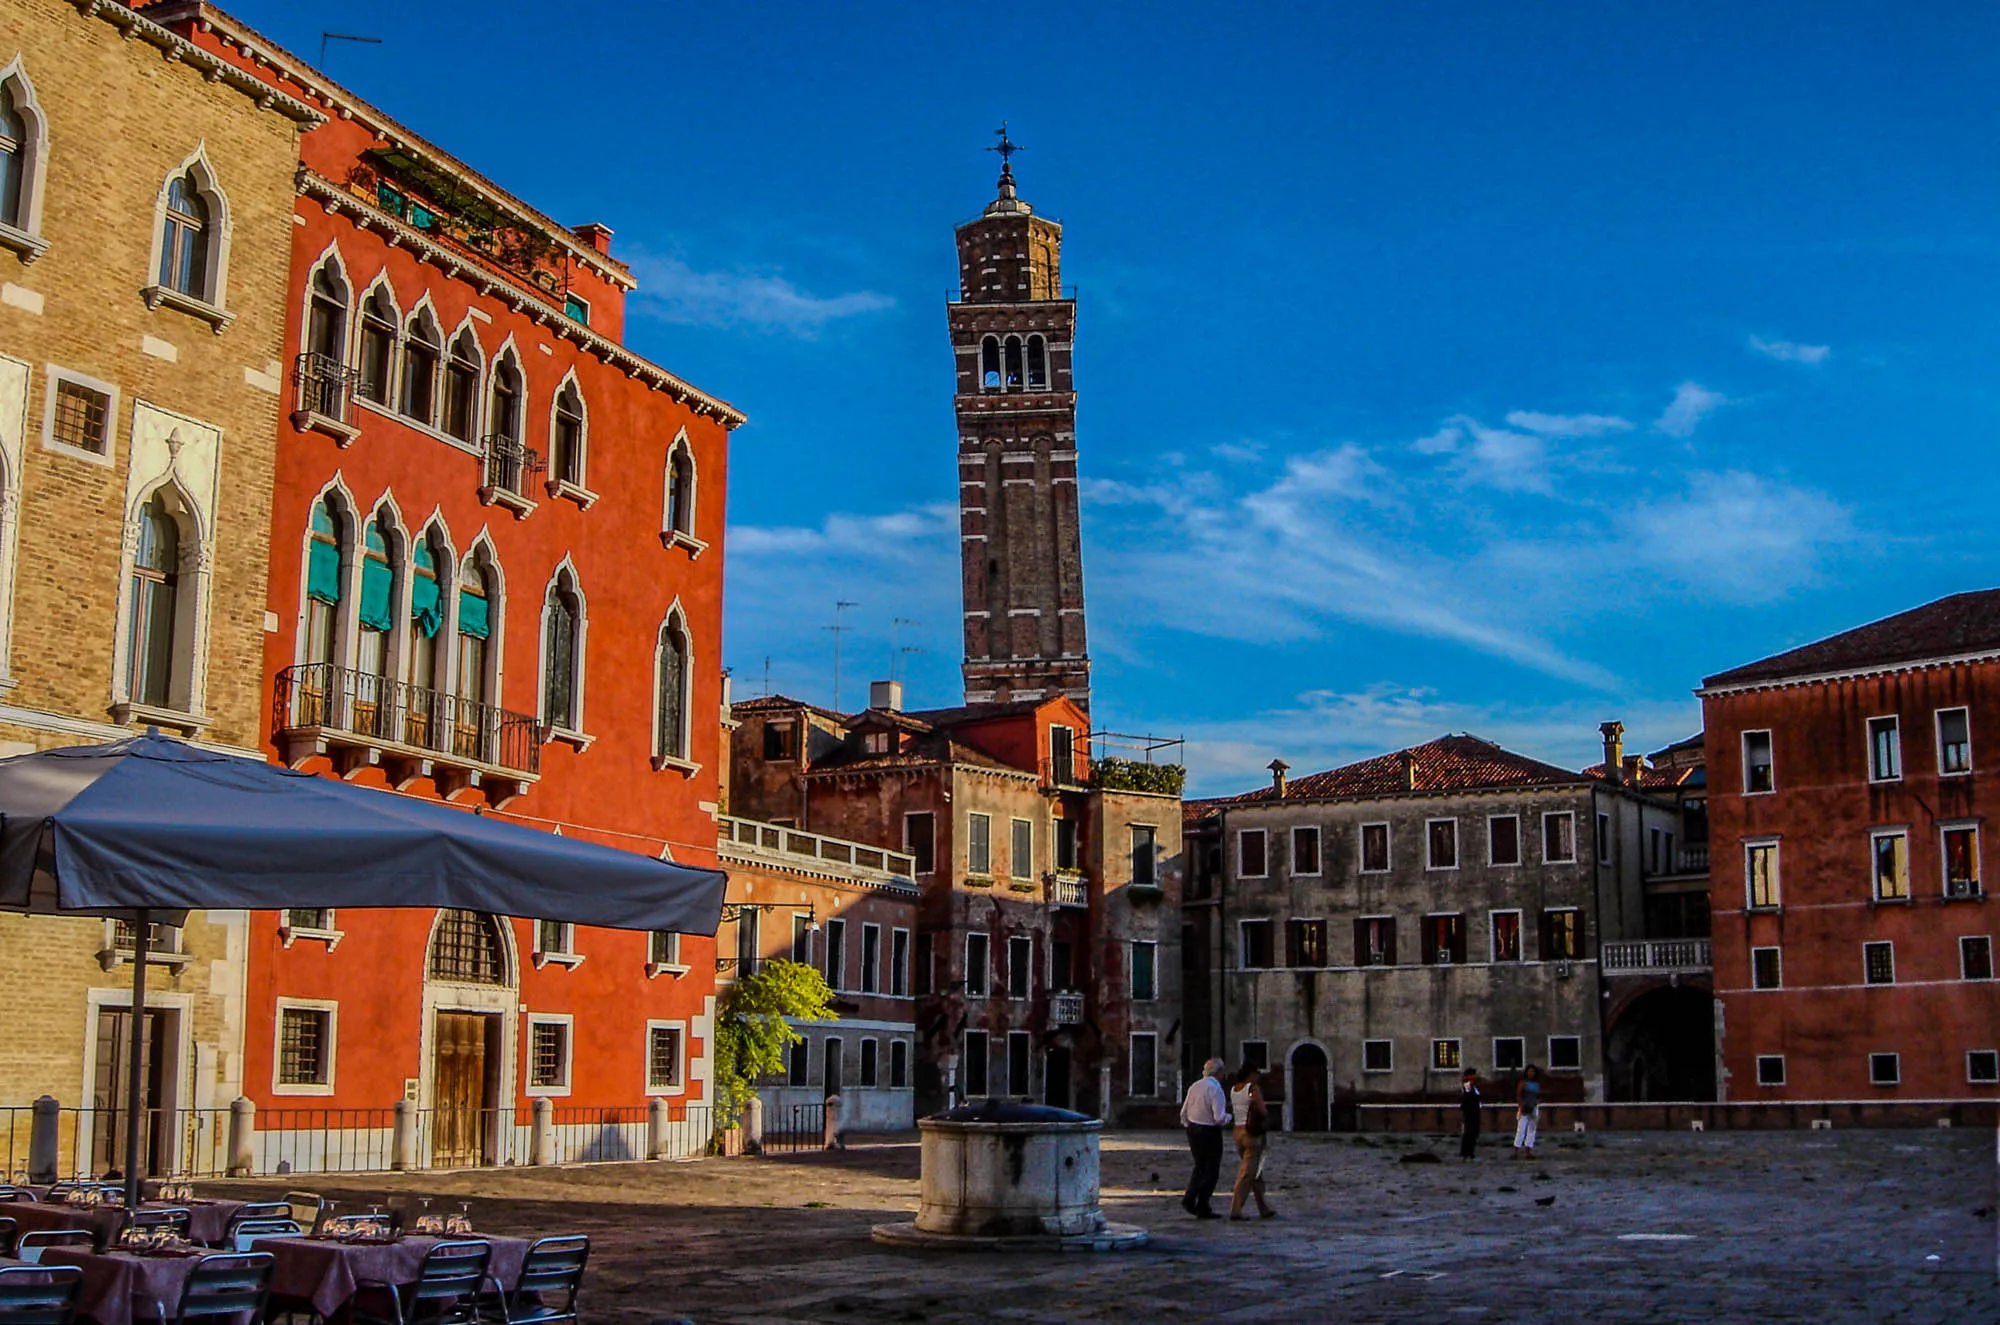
point(145, 228)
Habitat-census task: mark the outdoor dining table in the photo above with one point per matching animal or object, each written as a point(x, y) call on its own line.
point(121, 1285)
point(208, 1221)
point(326, 1272)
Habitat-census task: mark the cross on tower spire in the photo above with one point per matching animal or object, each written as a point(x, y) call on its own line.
point(1006, 147)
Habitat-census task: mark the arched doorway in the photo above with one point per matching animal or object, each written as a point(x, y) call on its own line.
point(1308, 1089)
point(468, 990)
point(1662, 1046)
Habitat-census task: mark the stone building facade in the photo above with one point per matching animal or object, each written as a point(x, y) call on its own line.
point(145, 232)
point(1853, 931)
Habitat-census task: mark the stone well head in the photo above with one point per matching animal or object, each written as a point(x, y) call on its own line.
point(1000, 1169)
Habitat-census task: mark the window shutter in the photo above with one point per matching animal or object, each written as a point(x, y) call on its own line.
point(323, 572)
point(474, 615)
point(376, 582)
point(426, 604)
point(1458, 939)
point(1361, 943)
point(1389, 942)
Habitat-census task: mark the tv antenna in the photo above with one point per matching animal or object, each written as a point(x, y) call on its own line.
point(326, 37)
point(896, 650)
point(838, 628)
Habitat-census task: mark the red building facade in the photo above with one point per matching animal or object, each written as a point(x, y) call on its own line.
point(496, 578)
point(1850, 781)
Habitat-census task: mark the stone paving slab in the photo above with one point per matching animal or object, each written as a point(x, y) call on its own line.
point(1767, 1226)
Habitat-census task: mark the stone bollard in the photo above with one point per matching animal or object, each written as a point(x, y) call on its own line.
point(542, 1141)
point(657, 1120)
point(834, 1140)
point(44, 1140)
point(403, 1139)
point(242, 1137)
point(753, 1125)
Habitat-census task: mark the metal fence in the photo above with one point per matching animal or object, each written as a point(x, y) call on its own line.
point(792, 1129)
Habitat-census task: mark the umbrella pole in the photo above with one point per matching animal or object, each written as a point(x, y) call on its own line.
point(135, 1096)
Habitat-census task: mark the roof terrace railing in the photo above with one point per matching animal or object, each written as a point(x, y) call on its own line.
point(780, 840)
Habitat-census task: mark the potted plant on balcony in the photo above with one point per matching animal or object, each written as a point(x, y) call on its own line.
point(752, 1033)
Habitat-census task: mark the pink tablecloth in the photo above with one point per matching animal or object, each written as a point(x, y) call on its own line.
point(118, 1285)
point(208, 1221)
point(326, 1273)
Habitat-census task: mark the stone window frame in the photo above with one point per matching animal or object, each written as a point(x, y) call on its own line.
point(568, 1023)
point(1021, 967)
point(1521, 1044)
point(564, 578)
point(329, 1010)
point(1937, 728)
point(1895, 730)
point(680, 1029)
point(1776, 900)
point(870, 972)
point(53, 376)
point(1493, 956)
point(212, 305)
point(1765, 1059)
point(1875, 837)
point(1885, 1058)
point(1243, 925)
point(1550, 817)
point(187, 705)
point(1264, 840)
point(26, 239)
point(1361, 848)
point(1132, 1062)
point(1777, 964)
point(1319, 852)
point(1430, 854)
point(1020, 865)
point(899, 971)
point(577, 489)
point(1576, 1040)
point(979, 844)
point(1492, 856)
point(1988, 1078)
point(1870, 951)
point(899, 1064)
point(868, 1062)
point(1945, 828)
point(1261, 1059)
point(983, 969)
point(564, 953)
point(680, 501)
point(682, 760)
point(1132, 971)
point(1435, 1061)
point(1388, 1048)
point(1771, 754)
point(1963, 965)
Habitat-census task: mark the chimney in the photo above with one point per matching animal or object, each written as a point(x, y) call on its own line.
point(886, 695)
point(1409, 770)
point(1614, 751)
point(1278, 767)
point(595, 235)
point(1635, 769)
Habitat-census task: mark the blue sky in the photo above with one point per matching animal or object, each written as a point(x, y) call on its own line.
point(1442, 366)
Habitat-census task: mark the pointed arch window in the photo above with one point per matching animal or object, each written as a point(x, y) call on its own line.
point(507, 399)
point(461, 387)
point(670, 738)
point(989, 364)
point(680, 493)
point(378, 345)
point(422, 350)
point(151, 655)
point(475, 628)
point(566, 438)
point(323, 556)
point(426, 620)
point(15, 146)
point(466, 950)
point(373, 683)
point(1038, 363)
point(562, 656)
point(326, 320)
point(185, 238)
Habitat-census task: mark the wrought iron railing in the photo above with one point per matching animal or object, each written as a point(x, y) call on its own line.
point(1065, 1009)
point(321, 696)
point(325, 385)
point(778, 839)
point(509, 465)
point(1655, 955)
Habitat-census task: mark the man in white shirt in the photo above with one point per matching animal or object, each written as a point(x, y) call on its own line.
point(1205, 1114)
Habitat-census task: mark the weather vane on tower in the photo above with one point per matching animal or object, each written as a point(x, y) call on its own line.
point(1006, 147)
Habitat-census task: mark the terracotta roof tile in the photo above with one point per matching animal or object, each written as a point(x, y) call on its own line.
point(1962, 623)
point(1450, 763)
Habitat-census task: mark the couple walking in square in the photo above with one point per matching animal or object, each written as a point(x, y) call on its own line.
point(1206, 1112)
point(1527, 1111)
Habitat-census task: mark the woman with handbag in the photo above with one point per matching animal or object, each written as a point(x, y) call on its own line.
point(1246, 1102)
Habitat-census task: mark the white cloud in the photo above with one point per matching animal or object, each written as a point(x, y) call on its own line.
point(672, 291)
point(1691, 404)
point(1442, 442)
point(1741, 537)
point(1246, 452)
point(1791, 351)
point(1568, 425)
point(1504, 459)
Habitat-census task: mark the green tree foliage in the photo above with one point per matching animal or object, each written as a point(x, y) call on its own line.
point(1114, 774)
point(751, 1033)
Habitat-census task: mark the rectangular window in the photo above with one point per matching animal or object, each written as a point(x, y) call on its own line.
point(780, 739)
point(871, 958)
point(1510, 1053)
point(802, 940)
point(1770, 1069)
point(80, 417)
point(1954, 735)
point(1378, 1055)
point(1562, 935)
point(1257, 1053)
point(1506, 936)
point(1145, 1065)
point(1444, 940)
point(868, 1063)
point(1061, 976)
point(1019, 1049)
point(548, 1056)
point(899, 962)
point(1559, 837)
point(1982, 1067)
point(1441, 844)
point(1604, 839)
point(975, 1065)
point(920, 840)
point(663, 1058)
point(798, 1066)
point(1655, 839)
point(899, 1065)
point(1021, 856)
point(836, 954)
point(1565, 1053)
point(663, 947)
point(1503, 839)
point(1257, 953)
point(1760, 875)
point(1961, 862)
point(1374, 848)
point(1766, 971)
point(1020, 967)
point(1062, 756)
point(1885, 1069)
point(926, 972)
point(1145, 856)
point(305, 1046)
point(1885, 749)
point(1305, 943)
point(1250, 862)
point(1375, 941)
point(1878, 963)
point(552, 937)
point(1066, 844)
point(1444, 1055)
point(1892, 866)
point(576, 309)
point(1145, 975)
point(1305, 851)
point(978, 966)
point(1758, 776)
point(979, 843)
point(1975, 957)
point(315, 918)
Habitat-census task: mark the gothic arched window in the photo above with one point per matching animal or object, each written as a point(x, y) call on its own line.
point(17, 153)
point(150, 654)
point(505, 420)
point(323, 557)
point(421, 354)
point(185, 238)
point(373, 684)
point(562, 655)
point(466, 950)
point(680, 491)
point(670, 739)
point(378, 345)
point(566, 438)
point(989, 364)
point(461, 386)
point(1013, 363)
point(1038, 362)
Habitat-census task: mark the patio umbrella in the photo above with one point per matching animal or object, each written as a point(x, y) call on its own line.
point(149, 828)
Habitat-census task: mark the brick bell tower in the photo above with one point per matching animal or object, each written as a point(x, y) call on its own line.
point(1011, 332)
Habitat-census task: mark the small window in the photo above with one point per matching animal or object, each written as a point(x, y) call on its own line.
point(1257, 953)
point(1562, 935)
point(1559, 837)
point(871, 959)
point(974, 1064)
point(875, 743)
point(1975, 957)
point(1305, 943)
point(1145, 974)
point(1765, 969)
point(461, 387)
point(780, 740)
point(1145, 1065)
point(154, 663)
point(1021, 855)
point(18, 152)
point(1444, 1055)
point(553, 937)
point(422, 354)
point(899, 1065)
point(1878, 963)
point(1885, 1069)
point(305, 1047)
point(81, 417)
point(798, 1064)
point(1757, 773)
point(680, 493)
point(663, 947)
point(1441, 844)
point(663, 1058)
point(566, 438)
point(920, 840)
point(1760, 873)
point(979, 844)
point(318, 919)
point(1305, 851)
point(1378, 1055)
point(1250, 862)
point(836, 954)
point(1885, 750)
point(869, 1065)
point(548, 1055)
point(1257, 1054)
point(1770, 1069)
point(1375, 941)
point(1374, 848)
point(1892, 866)
point(1506, 936)
point(575, 309)
point(978, 966)
point(1510, 1054)
point(1145, 856)
point(1954, 733)
point(1020, 967)
point(1982, 1067)
point(1503, 839)
point(1444, 940)
point(1961, 862)
point(1565, 1053)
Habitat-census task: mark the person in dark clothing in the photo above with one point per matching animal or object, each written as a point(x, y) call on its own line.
point(1468, 1113)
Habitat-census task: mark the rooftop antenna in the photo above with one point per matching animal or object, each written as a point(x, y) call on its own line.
point(896, 652)
point(767, 674)
point(838, 628)
point(326, 37)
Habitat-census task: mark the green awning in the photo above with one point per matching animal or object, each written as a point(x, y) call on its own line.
point(323, 572)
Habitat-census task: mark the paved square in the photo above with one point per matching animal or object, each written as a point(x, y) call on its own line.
point(1726, 1226)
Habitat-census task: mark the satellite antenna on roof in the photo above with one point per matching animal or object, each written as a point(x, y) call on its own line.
point(326, 37)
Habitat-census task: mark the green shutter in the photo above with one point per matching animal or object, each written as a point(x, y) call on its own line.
point(375, 585)
point(426, 604)
point(472, 616)
point(323, 572)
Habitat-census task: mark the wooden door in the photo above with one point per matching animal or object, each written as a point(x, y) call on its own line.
point(114, 1082)
point(459, 1089)
point(1308, 1089)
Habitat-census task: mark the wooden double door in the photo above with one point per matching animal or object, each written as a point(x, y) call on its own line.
point(465, 1089)
point(111, 1092)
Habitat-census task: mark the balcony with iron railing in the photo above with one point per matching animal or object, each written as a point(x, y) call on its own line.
point(359, 718)
point(325, 396)
point(754, 840)
point(507, 470)
point(1655, 957)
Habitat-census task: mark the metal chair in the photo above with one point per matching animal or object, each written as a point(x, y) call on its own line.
point(33, 1296)
point(30, 1246)
point(227, 1284)
point(59, 1190)
point(305, 1207)
point(176, 1217)
point(552, 1268)
point(266, 1210)
point(446, 1291)
point(10, 1192)
point(245, 1234)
